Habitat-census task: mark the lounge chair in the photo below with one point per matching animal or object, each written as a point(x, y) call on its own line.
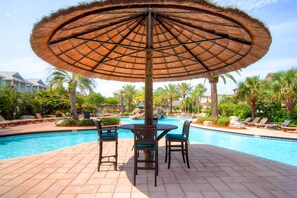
point(286, 127)
point(41, 119)
point(276, 126)
point(5, 123)
point(256, 120)
point(248, 119)
point(262, 123)
point(289, 129)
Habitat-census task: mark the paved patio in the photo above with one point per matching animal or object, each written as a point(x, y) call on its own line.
point(214, 172)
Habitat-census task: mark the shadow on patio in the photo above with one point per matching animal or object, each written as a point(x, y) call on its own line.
point(214, 172)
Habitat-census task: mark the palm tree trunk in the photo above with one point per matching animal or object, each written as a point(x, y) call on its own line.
point(72, 94)
point(213, 80)
point(122, 104)
point(170, 105)
point(129, 106)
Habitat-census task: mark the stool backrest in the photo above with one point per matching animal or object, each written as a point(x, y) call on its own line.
point(98, 126)
point(186, 128)
point(144, 134)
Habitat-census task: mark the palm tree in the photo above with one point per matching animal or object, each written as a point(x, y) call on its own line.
point(119, 95)
point(285, 88)
point(171, 94)
point(184, 89)
point(197, 94)
point(213, 80)
point(58, 77)
point(160, 98)
point(129, 92)
point(250, 90)
point(140, 95)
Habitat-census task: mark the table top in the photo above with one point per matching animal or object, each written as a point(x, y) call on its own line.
point(160, 127)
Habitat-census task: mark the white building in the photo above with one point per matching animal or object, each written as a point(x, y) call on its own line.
point(37, 85)
point(14, 79)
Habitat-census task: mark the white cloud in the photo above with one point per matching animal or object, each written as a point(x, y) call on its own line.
point(280, 29)
point(247, 5)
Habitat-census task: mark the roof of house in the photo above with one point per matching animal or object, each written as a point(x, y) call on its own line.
point(269, 76)
point(15, 76)
point(37, 82)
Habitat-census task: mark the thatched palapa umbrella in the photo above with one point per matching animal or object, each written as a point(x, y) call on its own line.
point(150, 40)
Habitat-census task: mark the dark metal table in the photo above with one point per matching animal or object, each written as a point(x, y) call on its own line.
point(160, 127)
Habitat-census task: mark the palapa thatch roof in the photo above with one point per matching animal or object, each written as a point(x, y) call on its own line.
point(192, 39)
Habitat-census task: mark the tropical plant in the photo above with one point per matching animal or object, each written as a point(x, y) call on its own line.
point(197, 94)
point(249, 91)
point(140, 95)
point(110, 121)
point(171, 94)
point(51, 100)
point(129, 93)
point(11, 98)
point(119, 95)
point(160, 98)
point(184, 89)
point(27, 104)
point(58, 77)
point(93, 101)
point(284, 86)
point(213, 80)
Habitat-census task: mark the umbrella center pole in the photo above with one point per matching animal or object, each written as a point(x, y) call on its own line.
point(149, 80)
point(149, 71)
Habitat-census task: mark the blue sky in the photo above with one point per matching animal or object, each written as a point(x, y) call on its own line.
point(18, 17)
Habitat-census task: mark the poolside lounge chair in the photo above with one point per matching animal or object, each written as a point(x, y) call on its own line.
point(286, 127)
point(276, 126)
point(41, 119)
point(289, 129)
point(262, 123)
point(256, 120)
point(248, 119)
point(5, 123)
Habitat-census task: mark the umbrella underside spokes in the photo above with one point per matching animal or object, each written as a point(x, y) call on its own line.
point(187, 43)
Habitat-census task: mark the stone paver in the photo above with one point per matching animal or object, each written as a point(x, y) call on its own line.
point(214, 172)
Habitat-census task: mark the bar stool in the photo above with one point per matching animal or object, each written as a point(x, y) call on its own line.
point(179, 138)
point(145, 139)
point(107, 134)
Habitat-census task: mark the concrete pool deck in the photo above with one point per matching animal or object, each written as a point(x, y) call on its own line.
point(50, 126)
point(215, 172)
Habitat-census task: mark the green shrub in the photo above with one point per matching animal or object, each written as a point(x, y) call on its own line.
point(59, 113)
point(223, 121)
point(70, 122)
point(227, 109)
point(125, 114)
point(202, 119)
point(85, 122)
point(110, 121)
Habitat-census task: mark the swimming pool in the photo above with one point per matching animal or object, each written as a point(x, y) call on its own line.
point(274, 149)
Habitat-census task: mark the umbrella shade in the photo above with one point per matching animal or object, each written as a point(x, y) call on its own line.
point(190, 39)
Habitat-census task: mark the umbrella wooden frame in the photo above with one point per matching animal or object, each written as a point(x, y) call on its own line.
point(189, 39)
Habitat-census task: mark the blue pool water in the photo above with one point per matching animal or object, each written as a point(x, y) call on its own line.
point(278, 150)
